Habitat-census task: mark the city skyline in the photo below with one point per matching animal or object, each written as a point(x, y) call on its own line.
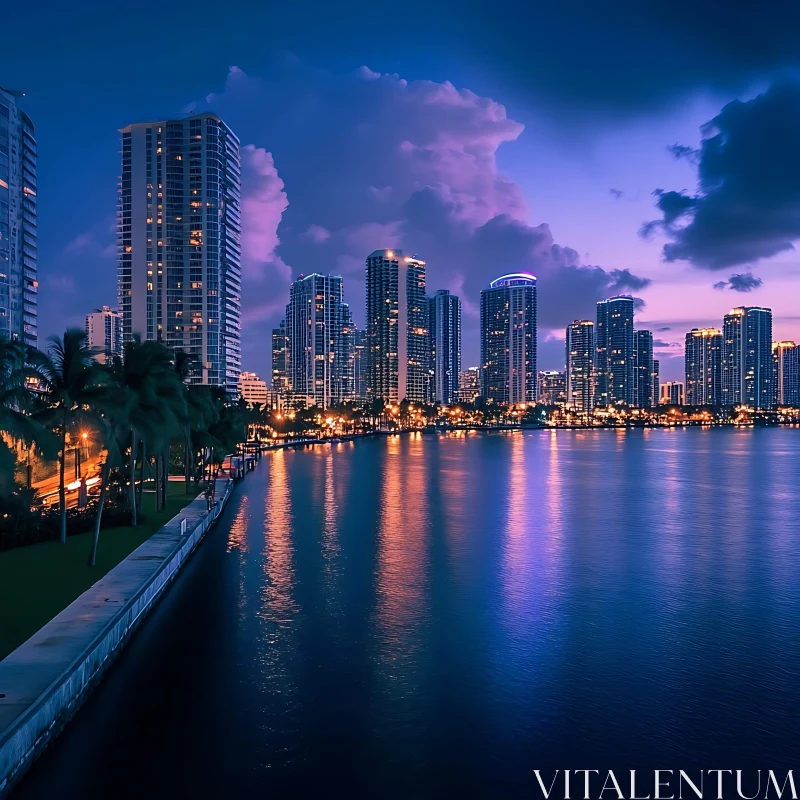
point(529, 166)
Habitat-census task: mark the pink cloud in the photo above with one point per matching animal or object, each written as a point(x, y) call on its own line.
point(263, 204)
point(318, 234)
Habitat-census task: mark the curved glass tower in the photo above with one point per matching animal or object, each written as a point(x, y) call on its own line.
point(508, 339)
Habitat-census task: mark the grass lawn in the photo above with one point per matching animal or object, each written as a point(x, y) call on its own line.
point(38, 581)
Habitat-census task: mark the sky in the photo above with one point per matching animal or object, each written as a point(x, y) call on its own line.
point(646, 149)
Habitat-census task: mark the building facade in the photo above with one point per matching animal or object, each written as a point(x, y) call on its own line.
point(508, 340)
point(551, 387)
point(252, 389)
point(359, 364)
point(469, 385)
point(397, 333)
point(178, 232)
point(703, 361)
point(786, 356)
point(444, 329)
point(318, 357)
point(19, 282)
point(280, 359)
point(748, 371)
point(672, 393)
point(580, 349)
point(643, 396)
point(614, 365)
point(656, 381)
point(104, 333)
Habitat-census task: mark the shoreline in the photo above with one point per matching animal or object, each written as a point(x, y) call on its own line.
point(44, 682)
point(299, 444)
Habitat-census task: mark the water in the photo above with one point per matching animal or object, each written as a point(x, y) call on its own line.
point(427, 616)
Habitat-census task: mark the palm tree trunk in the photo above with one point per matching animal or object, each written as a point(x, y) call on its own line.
point(62, 494)
point(141, 474)
point(187, 454)
point(157, 483)
point(104, 472)
point(165, 487)
point(134, 447)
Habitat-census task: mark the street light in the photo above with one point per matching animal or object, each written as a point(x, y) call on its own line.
point(81, 486)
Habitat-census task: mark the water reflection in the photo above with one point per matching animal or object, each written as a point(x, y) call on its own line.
point(278, 546)
point(438, 616)
point(401, 570)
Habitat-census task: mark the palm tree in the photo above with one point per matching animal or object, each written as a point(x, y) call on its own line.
point(16, 403)
point(146, 372)
point(184, 365)
point(110, 422)
point(72, 379)
point(202, 415)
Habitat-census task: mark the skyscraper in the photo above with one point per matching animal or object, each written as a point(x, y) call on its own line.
point(343, 377)
point(397, 333)
point(444, 321)
point(359, 364)
point(316, 321)
point(672, 393)
point(787, 373)
point(469, 385)
point(551, 387)
point(614, 352)
point(703, 356)
point(508, 339)
point(747, 366)
point(280, 359)
point(178, 231)
point(580, 365)
point(643, 369)
point(18, 221)
point(656, 381)
point(104, 333)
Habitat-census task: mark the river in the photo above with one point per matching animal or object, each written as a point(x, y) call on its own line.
point(427, 616)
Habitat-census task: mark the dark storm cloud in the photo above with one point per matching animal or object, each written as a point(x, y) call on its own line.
point(628, 54)
point(626, 281)
point(685, 152)
point(341, 165)
point(747, 205)
point(744, 282)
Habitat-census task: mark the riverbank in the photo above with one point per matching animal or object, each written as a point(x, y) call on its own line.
point(45, 680)
point(40, 580)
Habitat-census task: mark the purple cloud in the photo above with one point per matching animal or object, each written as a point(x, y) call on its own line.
point(318, 234)
point(263, 204)
point(367, 161)
point(744, 282)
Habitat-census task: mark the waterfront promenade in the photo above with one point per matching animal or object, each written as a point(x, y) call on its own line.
point(45, 680)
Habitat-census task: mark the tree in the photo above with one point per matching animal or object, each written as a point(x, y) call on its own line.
point(111, 420)
point(156, 399)
point(184, 365)
point(16, 403)
point(72, 379)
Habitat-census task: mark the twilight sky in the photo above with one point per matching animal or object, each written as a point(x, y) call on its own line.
point(646, 148)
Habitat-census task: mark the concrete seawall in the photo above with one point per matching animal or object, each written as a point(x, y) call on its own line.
point(44, 681)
